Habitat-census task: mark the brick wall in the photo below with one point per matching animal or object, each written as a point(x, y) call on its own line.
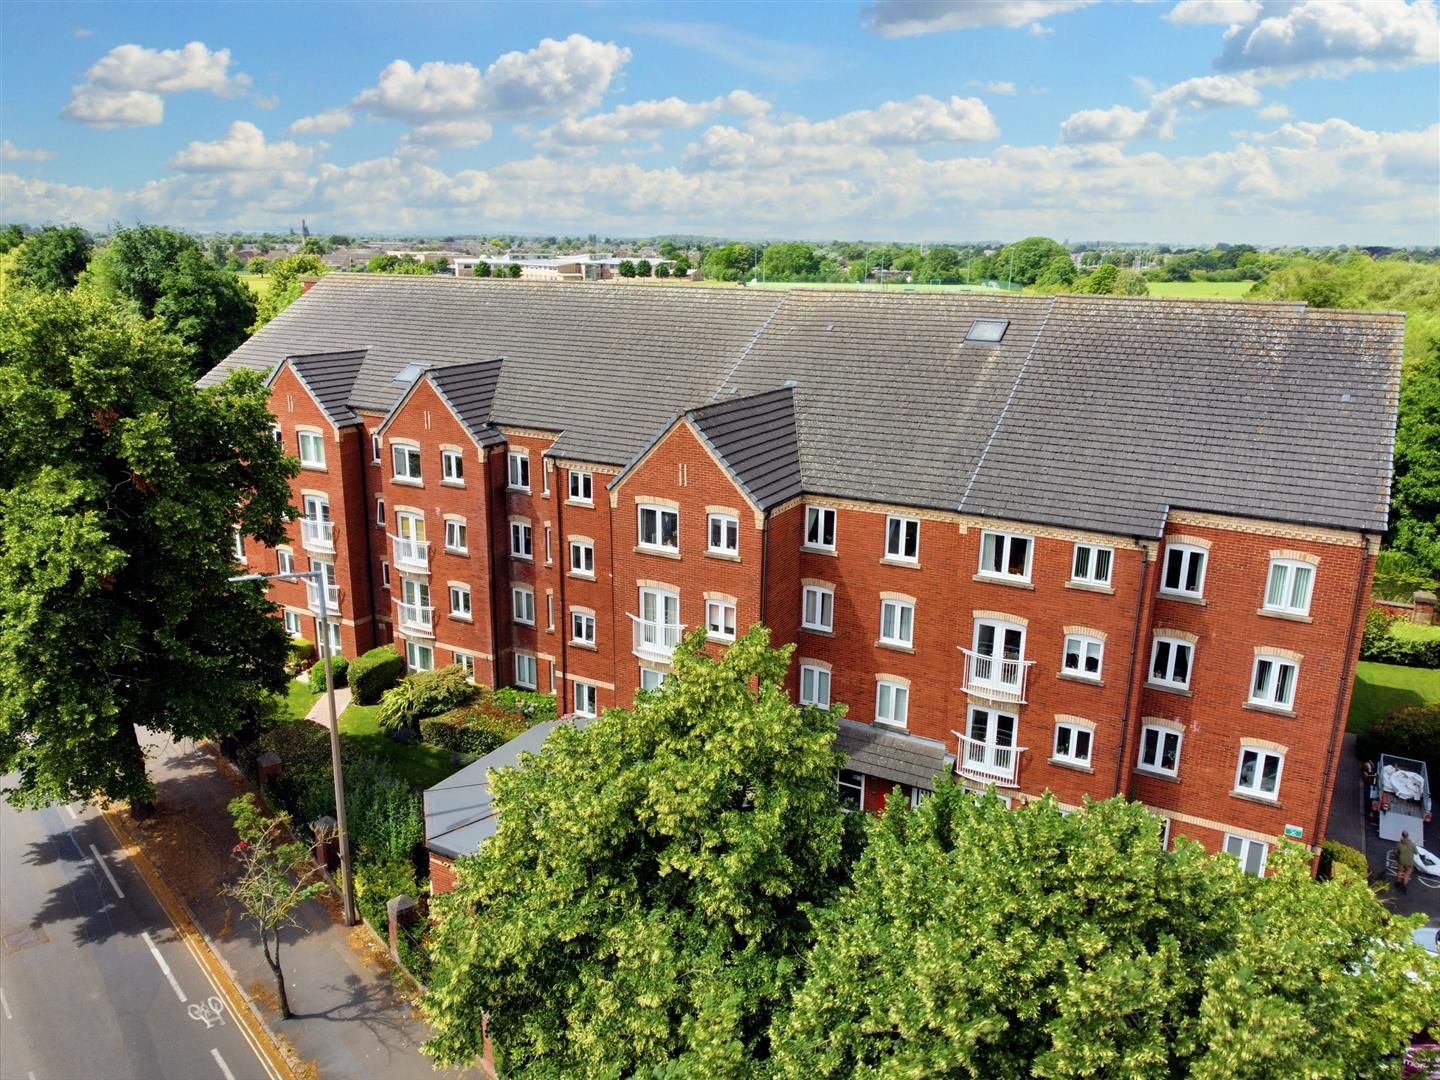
point(442, 874)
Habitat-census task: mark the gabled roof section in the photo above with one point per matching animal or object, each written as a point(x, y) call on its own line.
point(469, 390)
point(755, 438)
point(330, 379)
point(891, 755)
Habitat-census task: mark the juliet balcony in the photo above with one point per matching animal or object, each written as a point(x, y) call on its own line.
point(410, 555)
point(996, 678)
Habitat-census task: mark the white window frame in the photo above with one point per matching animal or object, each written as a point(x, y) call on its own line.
point(517, 466)
point(380, 513)
point(582, 547)
point(315, 441)
point(1003, 543)
point(582, 487)
point(293, 626)
point(1162, 737)
point(582, 627)
point(898, 616)
point(278, 433)
point(853, 781)
point(1175, 645)
point(821, 524)
point(1244, 849)
point(385, 573)
point(1086, 565)
point(653, 677)
point(817, 692)
point(238, 546)
point(1187, 554)
point(898, 695)
point(284, 561)
point(905, 530)
point(1281, 578)
point(402, 457)
point(547, 546)
point(452, 467)
point(419, 656)
point(527, 671)
point(586, 699)
point(659, 512)
point(728, 526)
point(332, 627)
point(1081, 646)
point(460, 602)
point(522, 605)
point(1278, 692)
point(375, 450)
point(457, 536)
point(718, 615)
point(824, 605)
point(522, 540)
point(1077, 733)
point(466, 662)
point(1256, 787)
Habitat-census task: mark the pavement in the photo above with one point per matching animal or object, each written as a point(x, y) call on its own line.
point(320, 712)
point(1349, 823)
point(350, 1019)
point(96, 980)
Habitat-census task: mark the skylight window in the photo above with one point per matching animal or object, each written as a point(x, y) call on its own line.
point(987, 331)
point(408, 374)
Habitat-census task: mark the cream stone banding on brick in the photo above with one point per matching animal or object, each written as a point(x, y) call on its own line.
point(1179, 635)
point(647, 583)
point(1162, 722)
point(1085, 631)
point(898, 680)
point(451, 447)
point(574, 465)
point(544, 656)
point(1075, 721)
point(310, 429)
point(576, 538)
point(515, 519)
point(1220, 827)
point(1264, 744)
point(1001, 616)
point(457, 585)
point(589, 682)
point(725, 597)
point(1282, 654)
point(455, 517)
point(399, 509)
point(527, 433)
point(811, 662)
point(653, 500)
point(397, 441)
point(730, 510)
point(1189, 541)
point(1281, 530)
point(576, 609)
point(1295, 556)
point(817, 583)
point(315, 493)
point(900, 596)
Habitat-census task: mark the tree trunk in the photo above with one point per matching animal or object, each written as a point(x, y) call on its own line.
point(274, 963)
point(142, 806)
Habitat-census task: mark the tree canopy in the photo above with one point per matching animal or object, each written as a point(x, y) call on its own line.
point(285, 288)
point(121, 486)
point(53, 258)
point(789, 262)
point(728, 263)
point(648, 894)
point(981, 941)
point(1415, 495)
point(1022, 261)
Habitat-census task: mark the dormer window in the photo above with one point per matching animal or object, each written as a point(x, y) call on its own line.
point(987, 331)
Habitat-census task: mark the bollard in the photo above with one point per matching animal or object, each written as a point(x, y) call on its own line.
point(401, 911)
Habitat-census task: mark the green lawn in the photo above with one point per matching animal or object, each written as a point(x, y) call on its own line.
point(1409, 631)
point(1201, 290)
point(1381, 688)
point(298, 700)
point(259, 283)
point(422, 765)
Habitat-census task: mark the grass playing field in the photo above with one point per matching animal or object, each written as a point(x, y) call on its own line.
point(1201, 290)
point(259, 283)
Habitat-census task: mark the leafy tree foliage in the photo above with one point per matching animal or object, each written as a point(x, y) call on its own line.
point(11, 236)
point(648, 894)
point(1415, 494)
point(789, 262)
point(513, 270)
point(285, 289)
point(1100, 281)
point(482, 269)
point(626, 269)
point(398, 264)
point(53, 258)
point(662, 270)
point(682, 265)
point(642, 268)
point(1058, 274)
point(979, 941)
point(1021, 262)
point(728, 263)
point(165, 274)
point(1131, 283)
point(258, 265)
point(121, 484)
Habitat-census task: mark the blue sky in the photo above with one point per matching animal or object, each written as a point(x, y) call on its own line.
point(1304, 121)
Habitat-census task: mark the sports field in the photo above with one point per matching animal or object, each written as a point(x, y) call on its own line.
point(1201, 290)
point(259, 283)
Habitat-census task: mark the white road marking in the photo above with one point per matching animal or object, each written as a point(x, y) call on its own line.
point(108, 875)
point(225, 1069)
point(5, 1005)
point(73, 816)
point(163, 965)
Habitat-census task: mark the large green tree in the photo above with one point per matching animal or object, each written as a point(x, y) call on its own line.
point(166, 275)
point(647, 898)
point(1022, 261)
point(53, 258)
point(285, 285)
point(1415, 495)
point(789, 262)
point(121, 488)
point(728, 263)
point(979, 941)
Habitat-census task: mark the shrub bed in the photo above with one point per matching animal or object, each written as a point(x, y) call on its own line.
point(1333, 853)
point(317, 674)
point(1381, 645)
point(427, 693)
point(1413, 732)
point(373, 673)
point(536, 707)
point(472, 729)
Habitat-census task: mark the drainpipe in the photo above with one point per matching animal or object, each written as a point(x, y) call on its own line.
point(1341, 699)
point(764, 567)
point(367, 507)
point(558, 548)
point(1144, 607)
point(495, 565)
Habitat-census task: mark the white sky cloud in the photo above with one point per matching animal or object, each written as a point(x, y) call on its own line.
point(322, 123)
point(243, 149)
point(1121, 122)
point(1331, 37)
point(1222, 12)
point(1274, 112)
point(124, 87)
point(643, 120)
point(10, 152)
point(906, 18)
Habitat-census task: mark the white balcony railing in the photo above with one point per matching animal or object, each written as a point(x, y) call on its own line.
point(987, 762)
point(332, 598)
point(995, 678)
point(411, 555)
point(656, 640)
point(317, 535)
point(416, 616)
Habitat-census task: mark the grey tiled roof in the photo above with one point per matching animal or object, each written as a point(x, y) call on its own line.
point(469, 389)
point(891, 755)
point(755, 437)
point(1091, 412)
point(330, 377)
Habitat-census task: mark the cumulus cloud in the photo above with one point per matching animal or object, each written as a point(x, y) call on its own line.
point(1116, 124)
point(1274, 112)
point(322, 123)
point(643, 120)
point(1222, 12)
point(1332, 37)
point(265, 101)
point(906, 18)
point(124, 87)
point(555, 77)
point(1121, 122)
point(10, 152)
point(445, 134)
point(243, 149)
point(1006, 88)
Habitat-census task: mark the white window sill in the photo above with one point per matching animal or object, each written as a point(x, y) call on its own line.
point(895, 646)
point(589, 645)
point(999, 579)
point(817, 630)
point(460, 618)
point(728, 556)
point(1288, 616)
point(891, 725)
point(522, 558)
point(720, 639)
point(457, 551)
point(1183, 598)
point(311, 467)
point(1255, 797)
point(1266, 707)
point(583, 575)
point(816, 550)
point(898, 560)
point(1157, 774)
point(522, 622)
point(407, 481)
point(1091, 586)
point(452, 483)
point(517, 490)
point(1067, 763)
point(587, 503)
point(1075, 676)
point(1168, 688)
point(664, 553)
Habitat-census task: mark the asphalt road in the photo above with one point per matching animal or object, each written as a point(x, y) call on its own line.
point(95, 983)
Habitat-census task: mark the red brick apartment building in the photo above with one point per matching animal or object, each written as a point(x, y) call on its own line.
point(1084, 545)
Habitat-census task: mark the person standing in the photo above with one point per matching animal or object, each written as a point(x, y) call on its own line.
point(1404, 861)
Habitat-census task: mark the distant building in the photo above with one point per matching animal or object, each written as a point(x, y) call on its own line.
point(578, 267)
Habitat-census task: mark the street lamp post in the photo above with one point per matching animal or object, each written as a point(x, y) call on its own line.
point(347, 891)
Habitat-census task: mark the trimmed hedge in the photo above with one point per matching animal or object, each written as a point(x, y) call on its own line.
point(427, 693)
point(317, 674)
point(472, 729)
point(1379, 645)
point(1333, 853)
point(1412, 731)
point(302, 650)
point(373, 673)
